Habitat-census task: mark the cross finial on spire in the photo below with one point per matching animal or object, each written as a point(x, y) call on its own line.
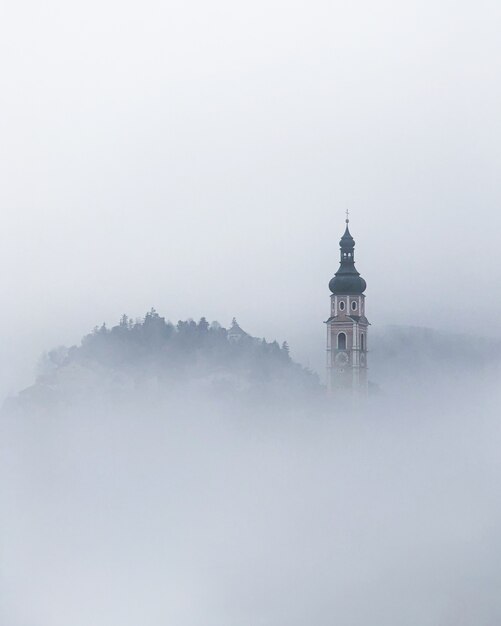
point(347, 216)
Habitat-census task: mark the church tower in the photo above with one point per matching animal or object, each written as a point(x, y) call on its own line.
point(347, 325)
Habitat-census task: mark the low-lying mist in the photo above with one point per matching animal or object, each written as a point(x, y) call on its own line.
point(196, 513)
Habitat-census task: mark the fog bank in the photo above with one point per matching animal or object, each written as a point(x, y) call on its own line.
point(193, 515)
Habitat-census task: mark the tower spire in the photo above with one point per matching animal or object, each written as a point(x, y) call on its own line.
point(347, 325)
point(347, 280)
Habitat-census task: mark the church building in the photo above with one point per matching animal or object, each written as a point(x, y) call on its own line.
point(347, 325)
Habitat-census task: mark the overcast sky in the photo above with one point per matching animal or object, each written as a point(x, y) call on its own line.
point(199, 156)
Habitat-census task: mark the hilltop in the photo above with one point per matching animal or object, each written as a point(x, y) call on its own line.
point(151, 356)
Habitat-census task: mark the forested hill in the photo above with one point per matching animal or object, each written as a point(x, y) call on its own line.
point(152, 355)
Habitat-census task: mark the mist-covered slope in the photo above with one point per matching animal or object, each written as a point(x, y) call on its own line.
point(151, 357)
point(420, 357)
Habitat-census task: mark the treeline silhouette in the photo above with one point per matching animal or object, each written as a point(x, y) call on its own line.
point(152, 348)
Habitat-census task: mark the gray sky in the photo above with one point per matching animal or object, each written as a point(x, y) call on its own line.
point(198, 157)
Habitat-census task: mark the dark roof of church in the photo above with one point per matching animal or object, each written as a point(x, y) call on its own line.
point(359, 318)
point(235, 329)
point(354, 318)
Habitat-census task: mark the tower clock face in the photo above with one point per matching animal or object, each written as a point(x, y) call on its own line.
point(342, 359)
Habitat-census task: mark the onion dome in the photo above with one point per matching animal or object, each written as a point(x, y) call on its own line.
point(347, 281)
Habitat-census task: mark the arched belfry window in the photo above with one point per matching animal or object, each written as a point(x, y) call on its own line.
point(362, 341)
point(341, 341)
